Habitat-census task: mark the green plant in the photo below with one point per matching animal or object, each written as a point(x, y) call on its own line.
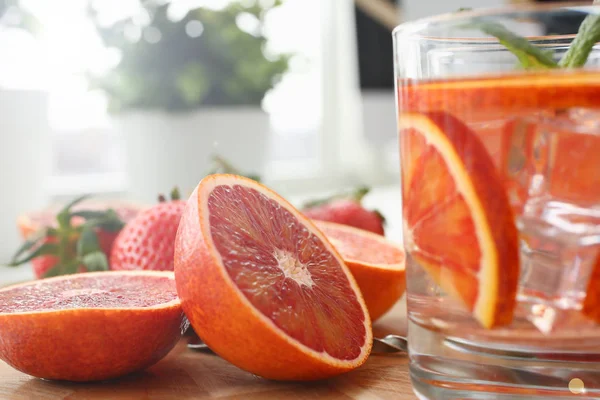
point(225, 65)
point(12, 15)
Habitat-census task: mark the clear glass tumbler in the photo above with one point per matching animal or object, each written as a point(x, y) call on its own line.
point(499, 132)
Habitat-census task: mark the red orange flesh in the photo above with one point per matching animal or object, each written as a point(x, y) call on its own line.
point(591, 304)
point(503, 95)
point(376, 263)
point(264, 288)
point(90, 327)
point(458, 222)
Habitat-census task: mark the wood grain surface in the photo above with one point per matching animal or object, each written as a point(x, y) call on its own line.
point(185, 374)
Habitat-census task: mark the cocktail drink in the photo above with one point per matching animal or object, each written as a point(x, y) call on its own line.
point(499, 132)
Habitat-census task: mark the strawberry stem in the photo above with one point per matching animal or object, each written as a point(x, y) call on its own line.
point(74, 246)
point(357, 195)
point(222, 166)
point(360, 193)
point(64, 216)
point(175, 195)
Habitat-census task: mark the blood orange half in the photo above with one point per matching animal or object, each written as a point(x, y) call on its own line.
point(458, 222)
point(376, 263)
point(264, 288)
point(89, 327)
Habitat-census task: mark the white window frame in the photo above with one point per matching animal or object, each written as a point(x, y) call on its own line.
point(345, 158)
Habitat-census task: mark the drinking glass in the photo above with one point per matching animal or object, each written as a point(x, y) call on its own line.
point(499, 133)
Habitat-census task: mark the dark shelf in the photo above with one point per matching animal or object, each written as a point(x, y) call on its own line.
point(375, 52)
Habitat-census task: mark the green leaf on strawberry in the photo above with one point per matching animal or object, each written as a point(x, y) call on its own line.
point(88, 241)
point(68, 249)
point(61, 269)
point(30, 243)
point(64, 216)
point(95, 261)
point(41, 250)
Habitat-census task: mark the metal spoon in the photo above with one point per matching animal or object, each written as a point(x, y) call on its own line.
point(390, 344)
point(386, 345)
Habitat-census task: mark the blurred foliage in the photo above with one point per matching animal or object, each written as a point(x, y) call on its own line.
point(12, 15)
point(225, 65)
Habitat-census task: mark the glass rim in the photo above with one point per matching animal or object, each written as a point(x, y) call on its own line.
point(490, 40)
point(409, 28)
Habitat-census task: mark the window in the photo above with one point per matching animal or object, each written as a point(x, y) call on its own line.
point(315, 111)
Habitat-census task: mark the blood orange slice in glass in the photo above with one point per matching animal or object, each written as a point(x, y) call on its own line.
point(458, 224)
point(264, 288)
point(591, 304)
point(89, 327)
point(503, 95)
point(376, 263)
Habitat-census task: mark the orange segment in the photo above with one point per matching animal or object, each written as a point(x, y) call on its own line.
point(377, 264)
point(458, 221)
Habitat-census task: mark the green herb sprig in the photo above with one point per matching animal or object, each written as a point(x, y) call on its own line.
point(531, 56)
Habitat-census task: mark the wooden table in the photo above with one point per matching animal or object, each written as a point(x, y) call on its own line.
point(186, 374)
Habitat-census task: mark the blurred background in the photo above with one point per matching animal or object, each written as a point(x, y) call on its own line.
point(126, 98)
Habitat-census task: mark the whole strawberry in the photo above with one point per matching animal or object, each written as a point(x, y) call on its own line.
point(148, 241)
point(346, 209)
point(78, 242)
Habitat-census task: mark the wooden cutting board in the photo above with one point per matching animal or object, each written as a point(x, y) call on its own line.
point(185, 374)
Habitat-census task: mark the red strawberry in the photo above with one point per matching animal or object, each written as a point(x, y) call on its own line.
point(148, 241)
point(43, 264)
point(348, 210)
point(106, 240)
point(78, 242)
point(343, 208)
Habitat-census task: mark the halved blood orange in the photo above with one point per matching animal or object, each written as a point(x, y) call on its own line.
point(591, 304)
point(458, 222)
point(88, 327)
point(376, 263)
point(506, 95)
point(264, 288)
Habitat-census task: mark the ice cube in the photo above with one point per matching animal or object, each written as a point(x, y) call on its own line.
point(553, 155)
point(552, 175)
